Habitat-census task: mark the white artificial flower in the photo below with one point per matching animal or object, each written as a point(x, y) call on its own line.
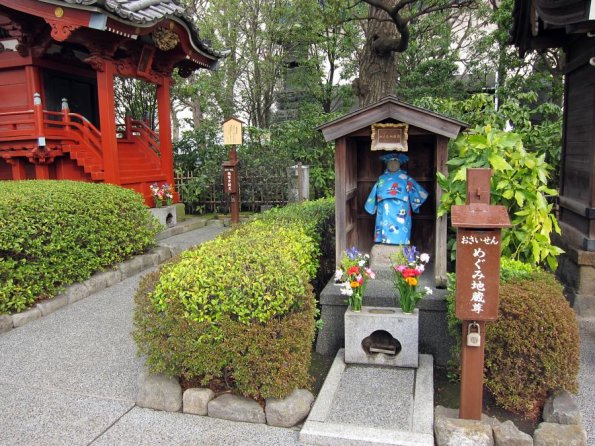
point(425, 258)
point(420, 268)
point(346, 290)
point(338, 274)
point(361, 263)
point(428, 290)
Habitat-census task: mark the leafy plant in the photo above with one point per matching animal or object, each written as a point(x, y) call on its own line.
point(55, 233)
point(519, 182)
point(240, 308)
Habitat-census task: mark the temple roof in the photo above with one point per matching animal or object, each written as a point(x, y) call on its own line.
point(541, 24)
point(143, 13)
point(392, 107)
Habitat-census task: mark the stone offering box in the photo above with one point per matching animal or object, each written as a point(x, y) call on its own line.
point(382, 336)
point(357, 168)
point(166, 215)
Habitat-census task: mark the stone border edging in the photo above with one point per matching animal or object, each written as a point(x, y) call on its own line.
point(102, 280)
point(159, 392)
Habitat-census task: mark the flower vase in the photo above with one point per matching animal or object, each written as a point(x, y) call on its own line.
point(169, 201)
point(158, 203)
point(356, 299)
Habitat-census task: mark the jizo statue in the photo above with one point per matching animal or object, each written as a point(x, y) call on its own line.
point(394, 196)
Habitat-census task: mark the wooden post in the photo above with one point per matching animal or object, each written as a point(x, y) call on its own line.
point(478, 277)
point(42, 172)
point(38, 113)
point(235, 196)
point(232, 136)
point(440, 278)
point(18, 168)
point(107, 119)
point(340, 197)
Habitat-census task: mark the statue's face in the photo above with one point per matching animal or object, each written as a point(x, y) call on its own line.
point(393, 165)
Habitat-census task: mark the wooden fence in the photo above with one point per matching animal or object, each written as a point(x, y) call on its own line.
point(258, 187)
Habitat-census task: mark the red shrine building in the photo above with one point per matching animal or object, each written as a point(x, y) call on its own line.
point(58, 61)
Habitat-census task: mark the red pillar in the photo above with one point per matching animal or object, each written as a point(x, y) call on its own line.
point(107, 119)
point(42, 172)
point(165, 145)
point(18, 168)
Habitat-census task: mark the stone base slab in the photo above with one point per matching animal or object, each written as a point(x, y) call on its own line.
point(323, 426)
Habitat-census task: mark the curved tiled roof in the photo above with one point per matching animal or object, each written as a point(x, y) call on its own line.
point(144, 13)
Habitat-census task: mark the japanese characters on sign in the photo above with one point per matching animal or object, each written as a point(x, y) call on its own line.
point(229, 178)
point(232, 132)
point(478, 274)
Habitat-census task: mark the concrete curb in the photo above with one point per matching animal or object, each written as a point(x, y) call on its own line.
point(104, 279)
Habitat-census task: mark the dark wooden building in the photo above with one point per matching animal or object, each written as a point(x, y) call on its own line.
point(570, 25)
point(357, 169)
point(58, 60)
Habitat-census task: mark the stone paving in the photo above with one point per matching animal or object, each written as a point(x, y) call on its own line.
point(69, 378)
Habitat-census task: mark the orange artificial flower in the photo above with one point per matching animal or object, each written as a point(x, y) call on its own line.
point(411, 281)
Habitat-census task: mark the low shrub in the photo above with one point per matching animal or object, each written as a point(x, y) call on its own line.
point(533, 346)
point(55, 233)
point(238, 309)
point(318, 220)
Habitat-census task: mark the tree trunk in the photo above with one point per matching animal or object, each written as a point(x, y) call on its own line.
point(377, 68)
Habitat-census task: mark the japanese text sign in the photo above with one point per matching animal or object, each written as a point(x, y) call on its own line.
point(230, 183)
point(232, 132)
point(478, 274)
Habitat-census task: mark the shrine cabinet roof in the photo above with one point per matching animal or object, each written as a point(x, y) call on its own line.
point(141, 14)
point(542, 24)
point(391, 107)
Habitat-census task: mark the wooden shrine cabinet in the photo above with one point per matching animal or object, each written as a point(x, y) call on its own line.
point(357, 169)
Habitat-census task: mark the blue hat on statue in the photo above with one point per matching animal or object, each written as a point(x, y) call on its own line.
point(400, 157)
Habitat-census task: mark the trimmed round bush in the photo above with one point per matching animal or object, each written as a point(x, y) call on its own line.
point(238, 309)
point(55, 233)
point(533, 347)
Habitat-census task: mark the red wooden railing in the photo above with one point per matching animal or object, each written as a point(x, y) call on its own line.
point(25, 130)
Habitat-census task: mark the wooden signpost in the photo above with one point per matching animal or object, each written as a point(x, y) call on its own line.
point(478, 226)
point(232, 135)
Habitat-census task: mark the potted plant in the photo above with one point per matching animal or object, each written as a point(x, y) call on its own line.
point(408, 267)
point(352, 276)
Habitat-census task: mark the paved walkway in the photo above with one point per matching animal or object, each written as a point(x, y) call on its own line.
point(70, 379)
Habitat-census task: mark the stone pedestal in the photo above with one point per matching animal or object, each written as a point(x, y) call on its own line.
point(380, 256)
point(434, 338)
point(166, 215)
point(382, 336)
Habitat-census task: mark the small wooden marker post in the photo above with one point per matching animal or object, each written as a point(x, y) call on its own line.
point(478, 226)
point(232, 135)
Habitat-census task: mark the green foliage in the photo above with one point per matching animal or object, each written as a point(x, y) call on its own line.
point(264, 154)
point(55, 233)
point(519, 182)
point(239, 308)
point(533, 346)
point(539, 124)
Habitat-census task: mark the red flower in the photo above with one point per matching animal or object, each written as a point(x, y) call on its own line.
point(410, 272)
point(353, 270)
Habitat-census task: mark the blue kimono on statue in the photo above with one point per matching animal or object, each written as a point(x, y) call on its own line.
point(392, 199)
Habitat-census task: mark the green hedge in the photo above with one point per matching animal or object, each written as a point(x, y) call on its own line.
point(55, 233)
point(238, 309)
